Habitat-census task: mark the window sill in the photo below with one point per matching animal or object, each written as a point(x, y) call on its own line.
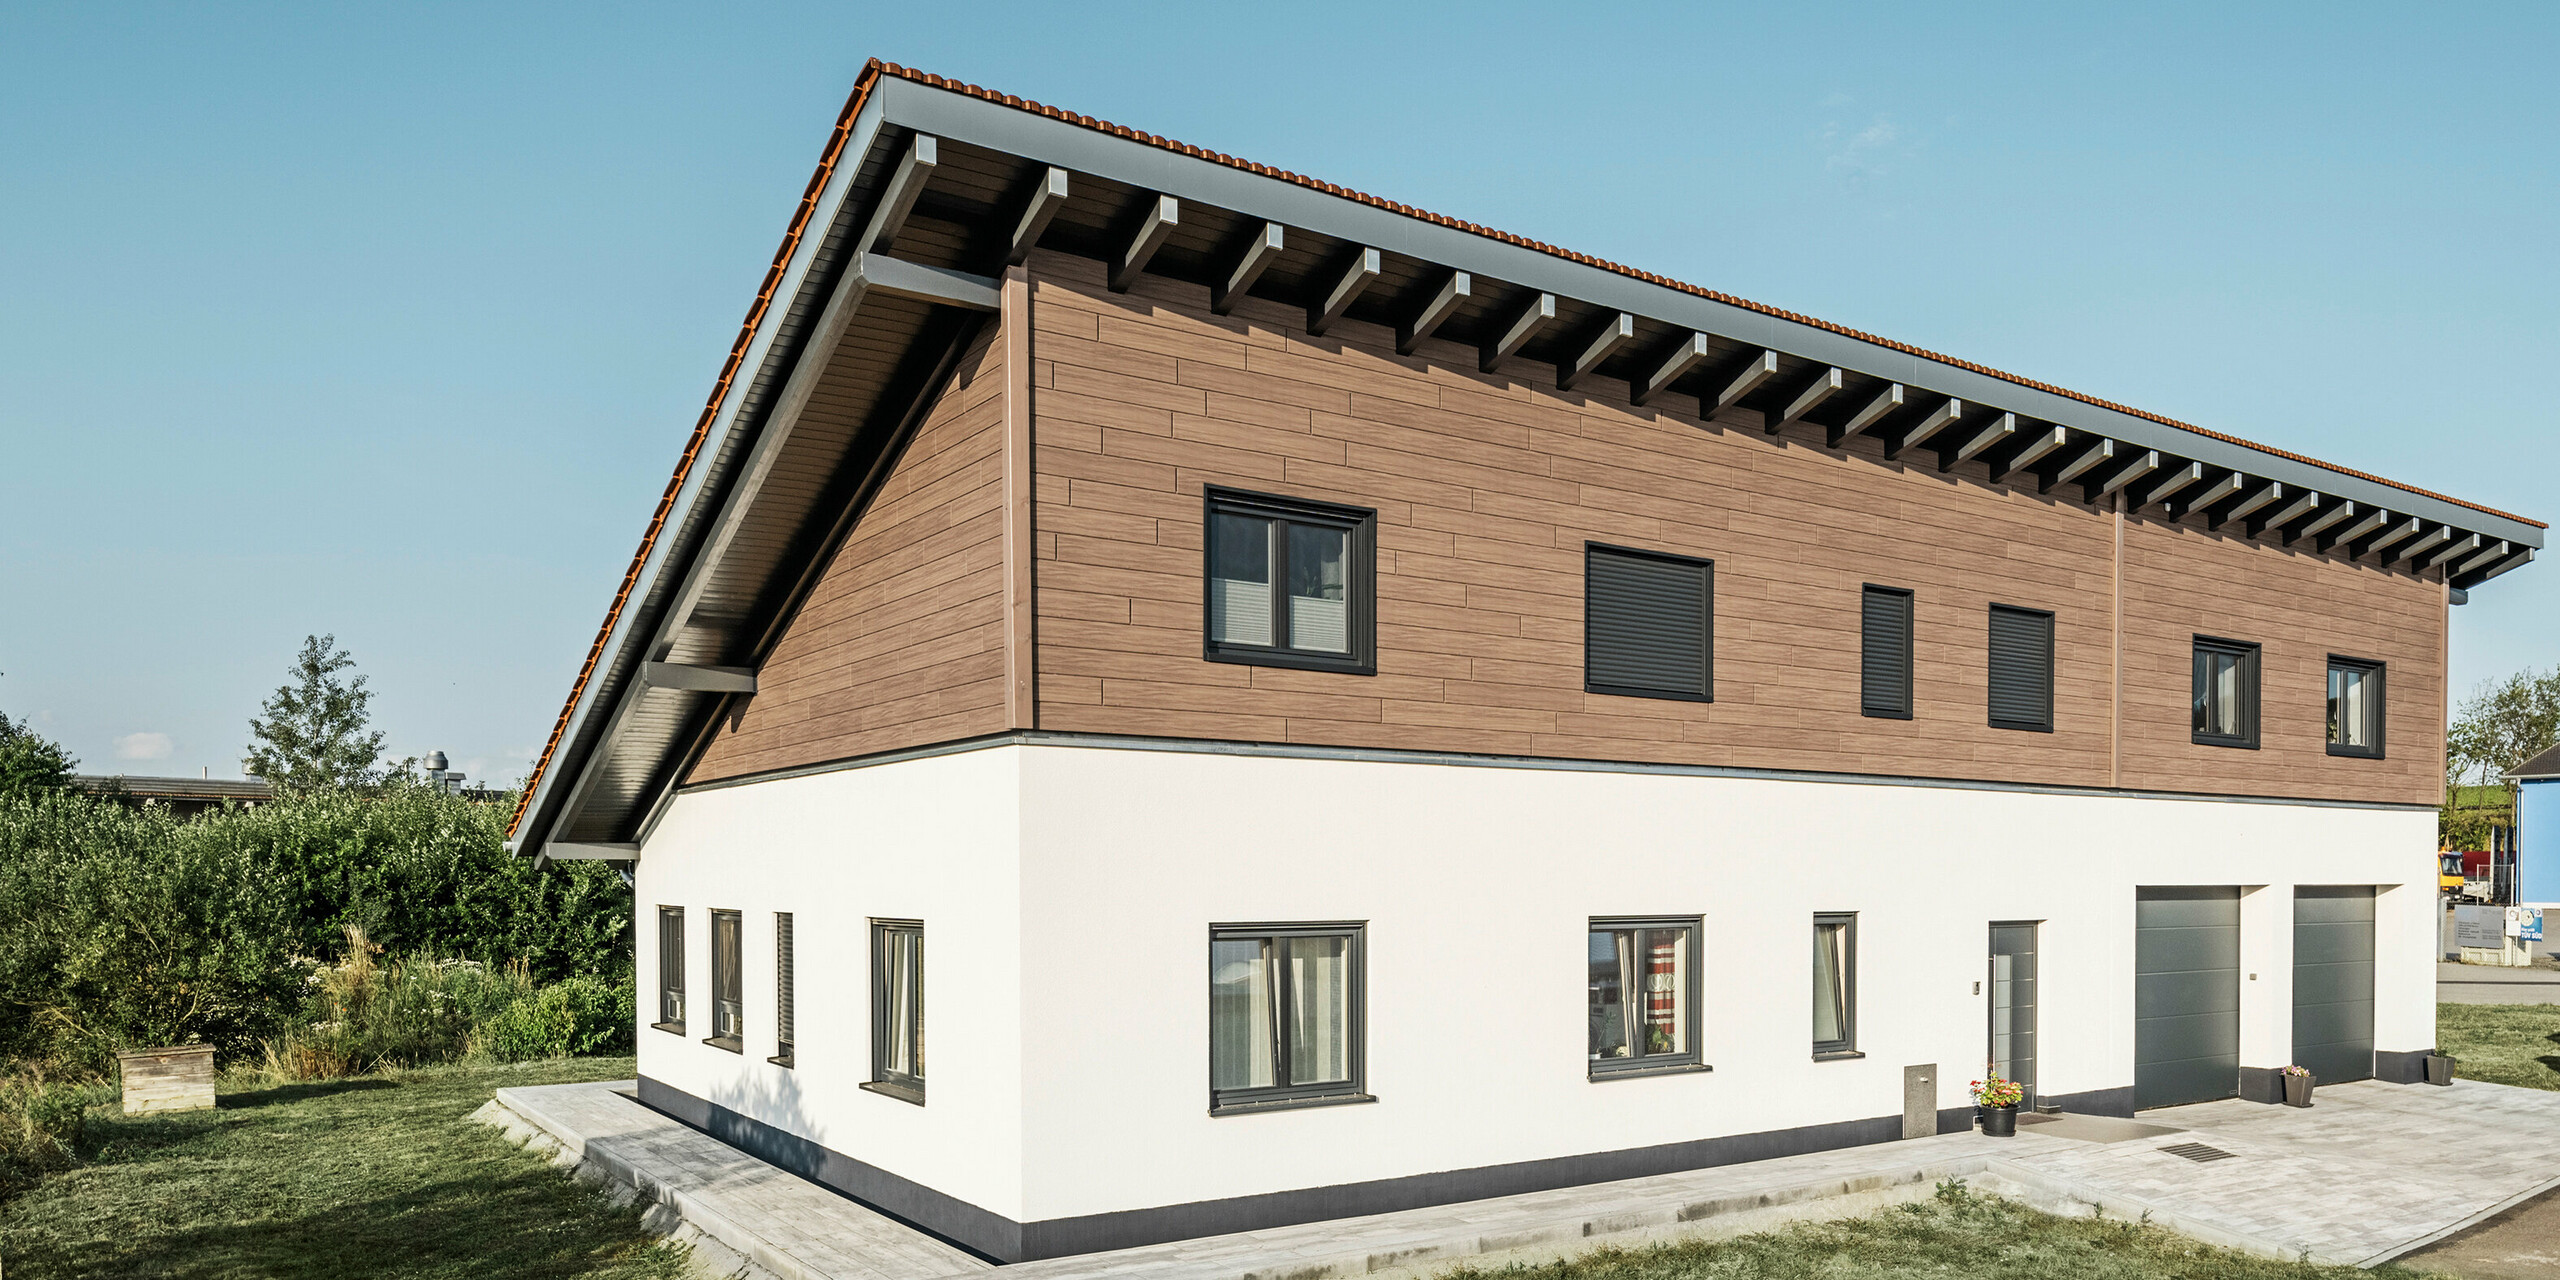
point(1633, 1073)
point(1631, 691)
point(2355, 753)
point(1884, 715)
point(2236, 744)
point(1291, 659)
point(671, 1028)
point(1288, 1104)
point(782, 1059)
point(2021, 726)
point(888, 1089)
point(731, 1043)
point(1838, 1055)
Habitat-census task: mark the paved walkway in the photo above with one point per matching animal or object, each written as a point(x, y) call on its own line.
point(2371, 1171)
point(2489, 984)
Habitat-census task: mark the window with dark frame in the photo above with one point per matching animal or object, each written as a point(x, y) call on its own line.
point(1285, 1016)
point(1648, 624)
point(783, 1031)
point(1835, 984)
point(1884, 656)
point(2226, 693)
point(1644, 986)
point(2355, 707)
point(2021, 653)
point(728, 1000)
point(1290, 583)
point(670, 970)
point(897, 1009)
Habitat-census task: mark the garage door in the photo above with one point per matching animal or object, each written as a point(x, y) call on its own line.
point(2186, 995)
point(2333, 981)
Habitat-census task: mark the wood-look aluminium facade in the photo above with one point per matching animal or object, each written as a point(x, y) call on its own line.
point(1091, 531)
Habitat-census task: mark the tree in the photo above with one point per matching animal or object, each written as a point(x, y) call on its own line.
point(2503, 724)
point(30, 762)
point(313, 734)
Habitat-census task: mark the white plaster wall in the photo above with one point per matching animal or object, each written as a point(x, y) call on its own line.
point(1477, 884)
point(935, 839)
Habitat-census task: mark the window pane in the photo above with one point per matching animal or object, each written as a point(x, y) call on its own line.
point(1611, 954)
point(1666, 991)
point(1319, 1010)
point(1830, 993)
point(727, 1013)
point(903, 976)
point(1319, 588)
point(1241, 1035)
point(2337, 688)
point(2350, 718)
point(1240, 580)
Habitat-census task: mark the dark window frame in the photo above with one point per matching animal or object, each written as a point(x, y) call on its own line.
point(1276, 1097)
point(2376, 672)
point(1868, 704)
point(1847, 1045)
point(2248, 654)
point(728, 981)
point(1360, 582)
point(901, 1085)
point(1707, 659)
point(1691, 1059)
point(785, 993)
point(670, 971)
point(1990, 656)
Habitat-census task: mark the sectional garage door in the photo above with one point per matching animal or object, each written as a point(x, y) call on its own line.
point(2186, 995)
point(2333, 981)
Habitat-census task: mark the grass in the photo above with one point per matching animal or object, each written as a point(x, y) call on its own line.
point(379, 1176)
point(1957, 1234)
point(2516, 1044)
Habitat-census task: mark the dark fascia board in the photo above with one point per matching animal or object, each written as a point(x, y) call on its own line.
point(569, 770)
point(1075, 147)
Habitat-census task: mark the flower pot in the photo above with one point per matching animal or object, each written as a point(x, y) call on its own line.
point(2297, 1091)
point(2000, 1122)
point(2439, 1069)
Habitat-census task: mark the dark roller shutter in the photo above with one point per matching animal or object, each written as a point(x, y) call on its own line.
point(1884, 664)
point(782, 1014)
point(1649, 624)
point(2021, 668)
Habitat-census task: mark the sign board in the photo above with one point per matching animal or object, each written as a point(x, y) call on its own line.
point(2524, 924)
point(2479, 926)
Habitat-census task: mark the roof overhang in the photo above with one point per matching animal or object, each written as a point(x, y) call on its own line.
point(878, 321)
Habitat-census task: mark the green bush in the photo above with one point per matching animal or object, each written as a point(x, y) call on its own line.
point(41, 1122)
point(568, 1018)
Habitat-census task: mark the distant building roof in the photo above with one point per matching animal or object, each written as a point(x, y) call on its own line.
point(203, 790)
point(2546, 765)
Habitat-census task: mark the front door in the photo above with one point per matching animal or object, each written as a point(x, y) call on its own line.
point(2013, 1005)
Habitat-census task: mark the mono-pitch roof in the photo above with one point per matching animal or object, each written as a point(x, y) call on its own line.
point(927, 187)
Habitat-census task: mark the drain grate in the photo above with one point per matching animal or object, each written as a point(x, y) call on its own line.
point(2197, 1151)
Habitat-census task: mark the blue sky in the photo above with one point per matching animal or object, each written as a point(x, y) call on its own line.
point(392, 324)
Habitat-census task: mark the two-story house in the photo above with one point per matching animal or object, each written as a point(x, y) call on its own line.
point(1169, 697)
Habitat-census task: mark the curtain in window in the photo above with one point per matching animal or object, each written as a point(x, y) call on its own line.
point(1240, 581)
point(904, 961)
point(1666, 989)
point(1830, 989)
point(728, 1004)
point(1319, 1010)
point(1319, 588)
point(1243, 1037)
point(2349, 723)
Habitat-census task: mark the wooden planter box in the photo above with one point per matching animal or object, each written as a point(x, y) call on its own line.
point(177, 1078)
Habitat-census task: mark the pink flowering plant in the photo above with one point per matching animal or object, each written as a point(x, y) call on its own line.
point(2297, 1071)
point(1992, 1091)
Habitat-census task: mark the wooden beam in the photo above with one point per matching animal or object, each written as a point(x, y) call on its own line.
point(1161, 219)
point(2462, 548)
point(1355, 281)
point(2142, 465)
point(2522, 556)
point(2372, 520)
point(899, 278)
point(2327, 519)
point(898, 195)
point(1456, 289)
point(1682, 359)
point(2391, 535)
point(2027, 451)
point(2496, 551)
point(2420, 547)
point(1890, 400)
point(564, 852)
point(2089, 457)
point(1533, 317)
point(1822, 387)
point(2266, 493)
point(2284, 515)
point(2001, 431)
point(1746, 380)
point(1046, 199)
point(698, 679)
point(2219, 490)
point(1938, 420)
point(2168, 486)
point(1257, 258)
point(1612, 335)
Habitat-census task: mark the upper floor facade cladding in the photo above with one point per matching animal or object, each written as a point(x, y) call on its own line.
point(1487, 490)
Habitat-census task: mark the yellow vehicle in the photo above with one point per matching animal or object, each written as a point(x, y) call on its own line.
point(2449, 872)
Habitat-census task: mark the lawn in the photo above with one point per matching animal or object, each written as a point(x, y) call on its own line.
point(381, 1176)
point(1957, 1234)
point(2516, 1044)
